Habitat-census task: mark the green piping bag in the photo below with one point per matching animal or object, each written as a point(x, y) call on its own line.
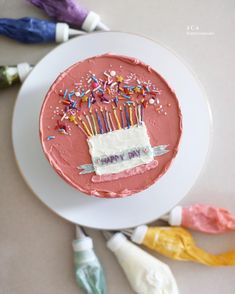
point(88, 270)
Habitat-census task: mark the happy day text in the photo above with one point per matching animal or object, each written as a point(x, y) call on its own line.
point(124, 156)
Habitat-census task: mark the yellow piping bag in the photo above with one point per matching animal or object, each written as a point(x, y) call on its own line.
point(146, 274)
point(177, 243)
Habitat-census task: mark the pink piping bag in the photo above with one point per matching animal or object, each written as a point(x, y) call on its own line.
point(203, 218)
point(71, 12)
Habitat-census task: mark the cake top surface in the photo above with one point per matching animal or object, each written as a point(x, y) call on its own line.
point(110, 125)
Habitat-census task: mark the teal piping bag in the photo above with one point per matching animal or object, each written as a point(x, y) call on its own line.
point(88, 270)
point(10, 75)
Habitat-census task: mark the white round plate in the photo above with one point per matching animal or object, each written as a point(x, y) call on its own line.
point(131, 211)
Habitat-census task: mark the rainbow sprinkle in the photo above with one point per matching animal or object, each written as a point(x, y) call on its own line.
point(128, 97)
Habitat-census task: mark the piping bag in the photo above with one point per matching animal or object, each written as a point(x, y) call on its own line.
point(10, 75)
point(203, 218)
point(88, 270)
point(177, 243)
point(33, 30)
point(146, 274)
point(69, 11)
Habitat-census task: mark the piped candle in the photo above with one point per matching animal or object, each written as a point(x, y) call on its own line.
point(203, 218)
point(86, 129)
point(136, 113)
point(99, 122)
point(88, 270)
point(93, 121)
point(127, 116)
point(33, 30)
point(121, 116)
point(89, 123)
point(107, 120)
point(111, 121)
point(104, 119)
point(139, 113)
point(131, 115)
point(145, 273)
point(116, 118)
point(177, 243)
point(71, 12)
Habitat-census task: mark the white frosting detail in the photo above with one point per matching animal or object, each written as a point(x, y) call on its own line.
point(116, 142)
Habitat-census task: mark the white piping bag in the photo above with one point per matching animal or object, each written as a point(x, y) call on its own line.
point(146, 274)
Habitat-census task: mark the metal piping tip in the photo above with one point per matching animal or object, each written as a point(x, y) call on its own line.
point(128, 232)
point(107, 234)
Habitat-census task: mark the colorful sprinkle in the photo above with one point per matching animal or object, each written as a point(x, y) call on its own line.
point(89, 102)
point(49, 138)
point(151, 101)
point(84, 98)
point(65, 93)
point(120, 79)
point(113, 73)
point(126, 96)
point(112, 88)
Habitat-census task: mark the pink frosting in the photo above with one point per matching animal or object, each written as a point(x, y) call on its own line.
point(66, 152)
point(208, 219)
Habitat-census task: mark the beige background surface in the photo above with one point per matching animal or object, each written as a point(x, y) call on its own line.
point(35, 244)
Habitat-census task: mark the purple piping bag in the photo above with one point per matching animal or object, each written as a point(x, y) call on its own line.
point(69, 11)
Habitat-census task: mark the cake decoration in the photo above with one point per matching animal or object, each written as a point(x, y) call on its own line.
point(133, 149)
point(108, 116)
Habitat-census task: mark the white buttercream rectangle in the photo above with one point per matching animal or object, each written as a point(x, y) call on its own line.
point(120, 150)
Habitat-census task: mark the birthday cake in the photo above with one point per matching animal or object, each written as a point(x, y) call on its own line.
point(110, 126)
